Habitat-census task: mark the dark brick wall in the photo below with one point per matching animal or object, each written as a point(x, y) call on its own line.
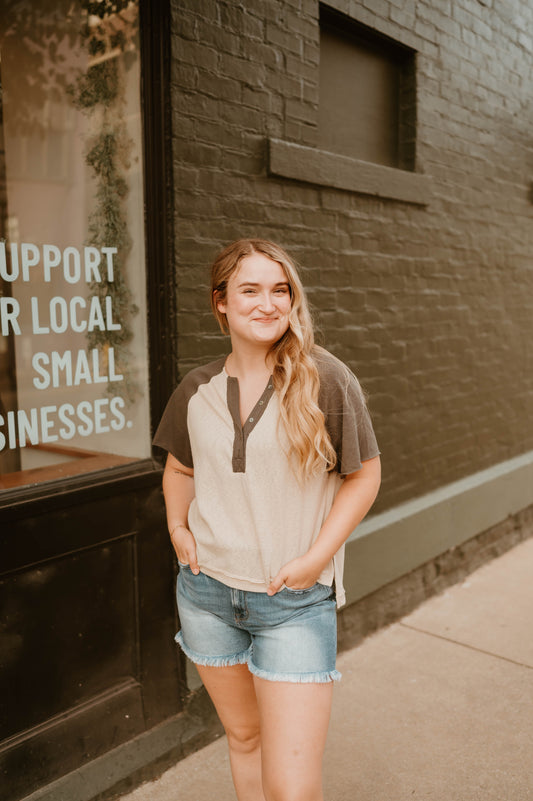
point(431, 306)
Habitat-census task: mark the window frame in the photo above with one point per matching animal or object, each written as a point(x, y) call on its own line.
point(323, 168)
point(391, 51)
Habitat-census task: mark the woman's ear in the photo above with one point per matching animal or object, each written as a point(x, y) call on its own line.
point(219, 302)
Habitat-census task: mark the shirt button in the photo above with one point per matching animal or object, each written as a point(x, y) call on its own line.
point(261, 403)
point(251, 419)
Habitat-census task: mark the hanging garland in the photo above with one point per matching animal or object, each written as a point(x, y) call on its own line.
point(99, 92)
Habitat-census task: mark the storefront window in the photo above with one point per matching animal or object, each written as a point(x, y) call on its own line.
point(73, 340)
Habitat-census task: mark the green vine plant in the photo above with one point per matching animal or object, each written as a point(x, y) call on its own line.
point(107, 33)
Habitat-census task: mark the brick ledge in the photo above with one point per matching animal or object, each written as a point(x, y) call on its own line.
point(308, 164)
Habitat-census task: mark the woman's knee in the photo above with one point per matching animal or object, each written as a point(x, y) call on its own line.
point(243, 739)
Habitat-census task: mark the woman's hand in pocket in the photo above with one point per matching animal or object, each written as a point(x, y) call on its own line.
point(185, 547)
point(298, 574)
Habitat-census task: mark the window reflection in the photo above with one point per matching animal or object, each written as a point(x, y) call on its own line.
point(73, 365)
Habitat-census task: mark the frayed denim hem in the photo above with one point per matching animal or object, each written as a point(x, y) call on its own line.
point(320, 677)
point(212, 661)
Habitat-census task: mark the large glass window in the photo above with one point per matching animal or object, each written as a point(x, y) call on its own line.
point(73, 340)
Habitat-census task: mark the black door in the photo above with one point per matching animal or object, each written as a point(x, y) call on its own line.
point(87, 653)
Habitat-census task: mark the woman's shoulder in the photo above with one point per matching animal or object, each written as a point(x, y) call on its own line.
point(330, 368)
point(205, 372)
point(197, 376)
point(337, 382)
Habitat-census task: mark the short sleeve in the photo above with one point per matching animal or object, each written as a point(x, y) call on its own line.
point(172, 433)
point(346, 415)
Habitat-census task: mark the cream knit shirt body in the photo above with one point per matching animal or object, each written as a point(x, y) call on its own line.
point(250, 514)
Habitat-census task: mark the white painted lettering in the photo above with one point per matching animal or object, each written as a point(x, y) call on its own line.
point(116, 405)
point(71, 265)
point(12, 430)
point(58, 315)
point(111, 366)
point(92, 259)
point(97, 378)
point(100, 414)
point(9, 312)
point(4, 272)
point(62, 363)
point(37, 328)
point(83, 371)
point(65, 413)
point(38, 362)
point(109, 253)
point(110, 325)
point(75, 324)
point(47, 424)
point(83, 410)
point(28, 427)
point(51, 258)
point(96, 318)
point(29, 257)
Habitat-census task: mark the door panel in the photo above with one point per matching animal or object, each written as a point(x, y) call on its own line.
point(88, 618)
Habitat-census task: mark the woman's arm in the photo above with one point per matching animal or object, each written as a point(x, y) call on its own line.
point(178, 489)
point(352, 502)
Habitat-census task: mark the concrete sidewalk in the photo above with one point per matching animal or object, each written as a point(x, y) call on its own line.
point(437, 706)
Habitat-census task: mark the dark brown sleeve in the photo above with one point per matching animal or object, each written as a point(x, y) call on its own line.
point(172, 434)
point(347, 419)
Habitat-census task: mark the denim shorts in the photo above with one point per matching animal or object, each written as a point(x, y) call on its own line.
point(289, 636)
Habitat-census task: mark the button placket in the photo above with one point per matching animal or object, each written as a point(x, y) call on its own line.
point(242, 432)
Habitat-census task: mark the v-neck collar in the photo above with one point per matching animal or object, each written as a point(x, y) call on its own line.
point(242, 431)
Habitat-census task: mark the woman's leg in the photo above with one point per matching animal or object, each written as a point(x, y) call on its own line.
point(232, 691)
point(294, 721)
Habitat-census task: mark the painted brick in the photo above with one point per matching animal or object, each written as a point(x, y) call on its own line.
point(225, 89)
point(211, 34)
point(197, 54)
point(433, 306)
point(379, 7)
point(237, 68)
point(278, 35)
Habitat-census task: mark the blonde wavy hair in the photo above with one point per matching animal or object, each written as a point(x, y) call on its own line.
point(294, 372)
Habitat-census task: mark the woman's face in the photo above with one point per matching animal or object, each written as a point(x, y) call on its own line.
point(258, 302)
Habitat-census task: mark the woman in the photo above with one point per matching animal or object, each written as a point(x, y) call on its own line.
point(272, 462)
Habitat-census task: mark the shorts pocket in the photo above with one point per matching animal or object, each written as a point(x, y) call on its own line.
point(302, 591)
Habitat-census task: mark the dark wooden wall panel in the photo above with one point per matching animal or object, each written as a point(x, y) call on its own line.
point(70, 629)
point(68, 741)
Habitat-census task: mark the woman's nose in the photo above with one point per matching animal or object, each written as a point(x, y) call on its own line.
point(266, 302)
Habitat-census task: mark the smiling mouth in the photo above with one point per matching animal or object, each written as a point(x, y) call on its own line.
point(264, 319)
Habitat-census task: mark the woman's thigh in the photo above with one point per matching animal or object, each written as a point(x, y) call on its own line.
point(294, 721)
point(233, 693)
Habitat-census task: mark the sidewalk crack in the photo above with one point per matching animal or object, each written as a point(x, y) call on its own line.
point(465, 645)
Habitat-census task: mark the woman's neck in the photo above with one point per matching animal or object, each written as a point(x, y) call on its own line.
point(242, 363)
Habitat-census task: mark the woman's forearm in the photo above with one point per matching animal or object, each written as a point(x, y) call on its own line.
point(352, 502)
point(178, 490)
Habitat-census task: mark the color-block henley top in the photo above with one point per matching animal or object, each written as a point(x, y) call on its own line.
point(250, 515)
